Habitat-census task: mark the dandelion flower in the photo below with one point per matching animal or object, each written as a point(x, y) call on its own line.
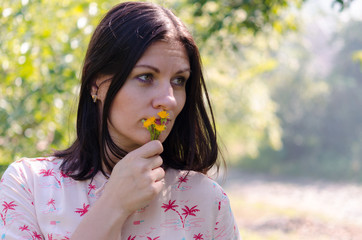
point(149, 122)
point(163, 114)
point(154, 128)
point(160, 128)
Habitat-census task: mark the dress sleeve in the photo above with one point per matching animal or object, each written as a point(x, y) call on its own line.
point(226, 228)
point(18, 215)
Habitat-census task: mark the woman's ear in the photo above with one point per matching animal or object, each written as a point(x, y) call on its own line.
point(100, 87)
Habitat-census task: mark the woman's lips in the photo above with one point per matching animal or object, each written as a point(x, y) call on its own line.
point(158, 121)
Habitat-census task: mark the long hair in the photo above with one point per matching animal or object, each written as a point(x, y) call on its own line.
point(118, 42)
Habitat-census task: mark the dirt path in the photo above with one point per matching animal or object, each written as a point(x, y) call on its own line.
point(295, 209)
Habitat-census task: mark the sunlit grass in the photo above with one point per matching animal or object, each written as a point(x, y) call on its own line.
point(263, 219)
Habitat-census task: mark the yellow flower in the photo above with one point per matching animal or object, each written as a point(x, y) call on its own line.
point(163, 114)
point(160, 128)
point(149, 122)
point(154, 128)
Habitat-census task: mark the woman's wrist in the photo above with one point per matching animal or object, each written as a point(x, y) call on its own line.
point(103, 221)
point(113, 209)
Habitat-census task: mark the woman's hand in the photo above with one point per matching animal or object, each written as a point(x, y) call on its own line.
point(136, 179)
point(134, 182)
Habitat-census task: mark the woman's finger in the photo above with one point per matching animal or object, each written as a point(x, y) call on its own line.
point(158, 174)
point(154, 162)
point(150, 149)
point(158, 186)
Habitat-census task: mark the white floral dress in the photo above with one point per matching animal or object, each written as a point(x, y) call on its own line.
point(38, 201)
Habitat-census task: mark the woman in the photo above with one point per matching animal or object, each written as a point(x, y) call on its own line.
point(114, 182)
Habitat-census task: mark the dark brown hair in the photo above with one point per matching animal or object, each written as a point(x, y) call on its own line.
point(118, 42)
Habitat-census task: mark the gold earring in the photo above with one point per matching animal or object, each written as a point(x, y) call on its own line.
point(94, 97)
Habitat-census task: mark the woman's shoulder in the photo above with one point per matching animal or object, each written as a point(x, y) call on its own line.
point(34, 166)
point(194, 183)
point(192, 176)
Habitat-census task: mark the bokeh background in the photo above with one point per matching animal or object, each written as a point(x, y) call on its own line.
point(284, 77)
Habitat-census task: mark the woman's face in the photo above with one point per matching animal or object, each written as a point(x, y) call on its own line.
point(157, 82)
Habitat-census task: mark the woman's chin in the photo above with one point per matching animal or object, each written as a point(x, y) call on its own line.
point(163, 137)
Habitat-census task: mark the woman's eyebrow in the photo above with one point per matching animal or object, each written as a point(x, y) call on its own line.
point(184, 70)
point(148, 66)
point(158, 70)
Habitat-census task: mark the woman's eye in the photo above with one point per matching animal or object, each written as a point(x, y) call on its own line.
point(145, 78)
point(179, 81)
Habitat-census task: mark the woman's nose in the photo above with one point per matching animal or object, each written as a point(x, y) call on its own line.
point(164, 98)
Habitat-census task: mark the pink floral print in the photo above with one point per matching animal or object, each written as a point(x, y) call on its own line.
point(83, 210)
point(7, 206)
point(40, 202)
point(198, 237)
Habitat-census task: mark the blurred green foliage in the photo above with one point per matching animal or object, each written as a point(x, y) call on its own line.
point(264, 107)
point(317, 87)
point(42, 44)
